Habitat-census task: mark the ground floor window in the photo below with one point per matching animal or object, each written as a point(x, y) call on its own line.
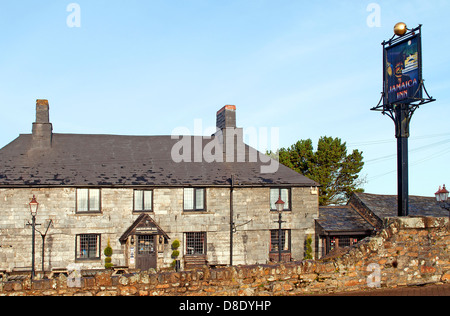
point(333, 242)
point(195, 243)
point(87, 247)
point(285, 240)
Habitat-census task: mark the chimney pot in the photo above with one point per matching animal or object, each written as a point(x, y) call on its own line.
point(42, 111)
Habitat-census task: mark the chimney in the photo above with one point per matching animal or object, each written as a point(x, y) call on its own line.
point(230, 137)
point(42, 128)
point(226, 117)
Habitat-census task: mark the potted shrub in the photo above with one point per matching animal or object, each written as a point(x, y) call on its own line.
point(175, 253)
point(308, 248)
point(108, 253)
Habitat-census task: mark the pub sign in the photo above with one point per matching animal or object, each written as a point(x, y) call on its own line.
point(403, 70)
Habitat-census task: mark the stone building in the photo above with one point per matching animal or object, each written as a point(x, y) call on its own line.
point(363, 216)
point(214, 194)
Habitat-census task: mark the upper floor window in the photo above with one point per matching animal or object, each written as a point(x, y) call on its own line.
point(194, 199)
point(88, 200)
point(143, 201)
point(285, 195)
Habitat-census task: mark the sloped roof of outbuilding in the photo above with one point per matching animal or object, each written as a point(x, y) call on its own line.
point(342, 219)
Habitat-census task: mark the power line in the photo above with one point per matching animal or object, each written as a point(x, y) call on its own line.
point(392, 140)
point(432, 157)
point(418, 149)
point(415, 163)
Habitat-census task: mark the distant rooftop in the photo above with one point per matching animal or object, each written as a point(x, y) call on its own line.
point(365, 213)
point(386, 205)
point(342, 219)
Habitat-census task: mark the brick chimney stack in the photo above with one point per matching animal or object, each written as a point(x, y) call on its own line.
point(42, 128)
point(230, 137)
point(226, 117)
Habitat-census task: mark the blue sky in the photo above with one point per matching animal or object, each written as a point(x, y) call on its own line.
point(309, 68)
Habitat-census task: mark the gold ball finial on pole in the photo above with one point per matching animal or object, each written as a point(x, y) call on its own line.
point(400, 29)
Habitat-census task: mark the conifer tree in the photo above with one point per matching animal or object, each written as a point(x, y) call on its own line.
point(336, 171)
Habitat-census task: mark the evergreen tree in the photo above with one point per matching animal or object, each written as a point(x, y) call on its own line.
point(330, 166)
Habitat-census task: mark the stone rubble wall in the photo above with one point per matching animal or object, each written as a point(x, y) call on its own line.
point(408, 251)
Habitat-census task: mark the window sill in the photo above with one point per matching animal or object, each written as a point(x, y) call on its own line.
point(93, 260)
point(188, 212)
point(89, 213)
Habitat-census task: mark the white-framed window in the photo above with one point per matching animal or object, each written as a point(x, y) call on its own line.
point(143, 201)
point(285, 195)
point(194, 199)
point(88, 201)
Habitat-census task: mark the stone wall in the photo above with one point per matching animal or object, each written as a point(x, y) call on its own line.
point(408, 251)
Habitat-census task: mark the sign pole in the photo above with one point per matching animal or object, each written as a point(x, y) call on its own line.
point(403, 118)
point(403, 93)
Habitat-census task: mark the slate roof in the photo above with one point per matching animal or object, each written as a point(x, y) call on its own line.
point(342, 219)
point(112, 160)
point(386, 205)
point(345, 219)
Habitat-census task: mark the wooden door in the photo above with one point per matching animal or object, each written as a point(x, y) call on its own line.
point(146, 252)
